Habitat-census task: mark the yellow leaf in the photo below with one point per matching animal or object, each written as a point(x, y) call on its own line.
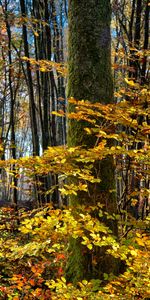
point(85, 282)
point(140, 242)
point(36, 33)
point(43, 69)
point(133, 252)
point(71, 150)
point(131, 83)
point(63, 160)
point(88, 130)
point(63, 279)
point(90, 246)
point(25, 58)
point(112, 148)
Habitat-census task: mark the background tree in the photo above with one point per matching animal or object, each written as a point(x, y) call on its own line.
point(131, 62)
point(35, 31)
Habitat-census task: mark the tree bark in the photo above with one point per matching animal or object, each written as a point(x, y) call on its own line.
point(90, 78)
point(35, 136)
point(14, 198)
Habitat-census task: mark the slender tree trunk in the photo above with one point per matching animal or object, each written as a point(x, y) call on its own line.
point(12, 112)
point(131, 24)
point(137, 36)
point(35, 136)
point(46, 90)
point(146, 43)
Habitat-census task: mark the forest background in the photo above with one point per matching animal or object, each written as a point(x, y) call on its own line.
point(74, 194)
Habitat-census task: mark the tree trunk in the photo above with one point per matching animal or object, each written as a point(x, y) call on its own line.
point(144, 74)
point(14, 198)
point(34, 129)
point(90, 78)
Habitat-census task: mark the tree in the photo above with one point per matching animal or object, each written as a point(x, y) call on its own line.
point(35, 136)
point(131, 57)
point(90, 78)
point(47, 34)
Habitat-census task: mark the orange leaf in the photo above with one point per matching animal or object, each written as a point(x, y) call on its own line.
point(32, 282)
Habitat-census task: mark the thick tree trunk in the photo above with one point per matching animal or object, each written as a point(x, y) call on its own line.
point(89, 51)
point(90, 79)
point(90, 75)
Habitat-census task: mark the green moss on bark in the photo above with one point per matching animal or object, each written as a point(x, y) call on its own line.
point(89, 51)
point(90, 75)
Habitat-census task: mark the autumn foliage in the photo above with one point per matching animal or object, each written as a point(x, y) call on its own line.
point(59, 184)
point(34, 245)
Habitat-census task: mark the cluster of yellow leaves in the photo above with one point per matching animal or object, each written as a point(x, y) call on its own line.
point(136, 280)
point(37, 256)
point(47, 65)
point(35, 259)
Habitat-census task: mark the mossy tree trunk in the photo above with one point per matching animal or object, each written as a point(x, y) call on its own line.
point(90, 75)
point(90, 79)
